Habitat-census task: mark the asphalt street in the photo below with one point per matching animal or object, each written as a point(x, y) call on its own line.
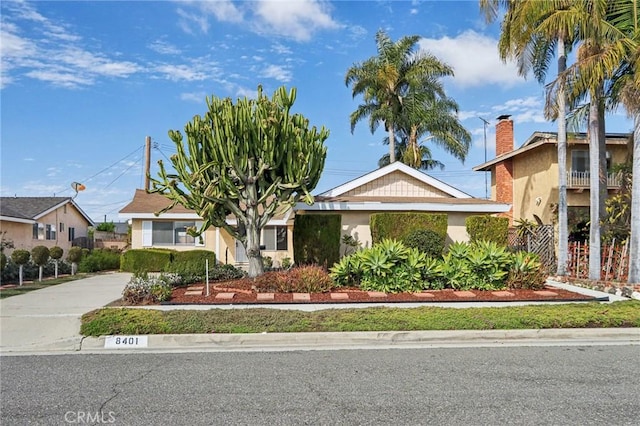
point(533, 385)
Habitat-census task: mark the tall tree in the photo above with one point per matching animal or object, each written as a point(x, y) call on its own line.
point(385, 81)
point(251, 159)
point(525, 37)
point(606, 70)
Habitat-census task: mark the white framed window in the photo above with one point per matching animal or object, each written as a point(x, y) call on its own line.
point(580, 160)
point(72, 233)
point(275, 238)
point(169, 233)
point(50, 232)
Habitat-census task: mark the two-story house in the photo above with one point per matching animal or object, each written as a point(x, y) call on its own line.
point(527, 177)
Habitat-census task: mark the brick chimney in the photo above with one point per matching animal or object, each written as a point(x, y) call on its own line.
point(504, 169)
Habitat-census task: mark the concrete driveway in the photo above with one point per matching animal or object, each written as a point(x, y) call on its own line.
point(49, 319)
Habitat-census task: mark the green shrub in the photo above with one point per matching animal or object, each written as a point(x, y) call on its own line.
point(20, 256)
point(189, 272)
point(40, 255)
point(194, 256)
point(100, 260)
point(148, 260)
point(3, 260)
point(56, 252)
point(222, 272)
point(427, 241)
point(74, 255)
point(526, 272)
point(144, 289)
point(488, 228)
point(316, 239)
point(398, 226)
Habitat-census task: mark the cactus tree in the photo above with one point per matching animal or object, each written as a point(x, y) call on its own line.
point(252, 159)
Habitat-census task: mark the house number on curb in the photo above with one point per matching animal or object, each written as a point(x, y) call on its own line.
point(125, 342)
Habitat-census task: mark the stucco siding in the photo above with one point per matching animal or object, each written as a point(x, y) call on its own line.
point(396, 184)
point(535, 184)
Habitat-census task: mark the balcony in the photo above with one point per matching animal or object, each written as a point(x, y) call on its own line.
point(580, 180)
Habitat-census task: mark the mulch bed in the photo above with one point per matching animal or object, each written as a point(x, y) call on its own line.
point(244, 293)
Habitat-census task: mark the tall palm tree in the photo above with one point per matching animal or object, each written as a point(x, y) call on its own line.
point(385, 80)
point(606, 70)
point(523, 39)
point(426, 160)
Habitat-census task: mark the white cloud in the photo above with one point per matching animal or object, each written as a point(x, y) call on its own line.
point(181, 72)
point(277, 72)
point(474, 58)
point(523, 110)
point(198, 97)
point(161, 46)
point(298, 20)
point(51, 54)
point(280, 49)
point(244, 92)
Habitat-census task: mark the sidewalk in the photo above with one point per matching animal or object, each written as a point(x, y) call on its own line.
point(48, 321)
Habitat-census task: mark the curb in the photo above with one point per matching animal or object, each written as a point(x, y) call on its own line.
point(371, 339)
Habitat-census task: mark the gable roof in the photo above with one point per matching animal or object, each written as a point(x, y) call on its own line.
point(542, 138)
point(387, 170)
point(30, 209)
point(144, 206)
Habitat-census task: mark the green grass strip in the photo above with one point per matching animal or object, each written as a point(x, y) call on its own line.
point(113, 321)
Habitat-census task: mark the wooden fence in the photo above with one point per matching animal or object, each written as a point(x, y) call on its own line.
point(539, 241)
point(614, 261)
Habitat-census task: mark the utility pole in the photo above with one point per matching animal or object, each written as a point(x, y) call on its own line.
point(486, 187)
point(147, 162)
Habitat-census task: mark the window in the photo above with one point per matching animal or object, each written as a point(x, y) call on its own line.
point(38, 231)
point(50, 232)
point(72, 233)
point(156, 233)
point(61, 228)
point(275, 238)
point(579, 161)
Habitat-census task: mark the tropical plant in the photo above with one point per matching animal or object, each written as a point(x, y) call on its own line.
point(401, 88)
point(251, 159)
point(526, 272)
point(531, 37)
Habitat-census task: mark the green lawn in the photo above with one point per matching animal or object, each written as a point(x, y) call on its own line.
point(37, 285)
point(112, 321)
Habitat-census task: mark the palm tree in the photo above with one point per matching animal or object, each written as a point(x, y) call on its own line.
point(523, 38)
point(607, 69)
point(398, 71)
point(426, 161)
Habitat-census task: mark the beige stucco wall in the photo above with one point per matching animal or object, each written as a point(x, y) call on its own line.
point(396, 184)
point(22, 233)
point(535, 178)
point(217, 241)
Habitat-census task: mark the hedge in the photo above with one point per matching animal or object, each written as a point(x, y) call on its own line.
point(398, 226)
point(145, 260)
point(488, 228)
point(195, 256)
point(316, 239)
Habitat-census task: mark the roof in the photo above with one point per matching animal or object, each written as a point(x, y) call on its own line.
point(393, 167)
point(144, 206)
point(542, 138)
point(30, 209)
point(344, 198)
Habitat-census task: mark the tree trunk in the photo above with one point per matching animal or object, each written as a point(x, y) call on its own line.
point(634, 238)
point(563, 227)
point(56, 268)
point(74, 268)
point(40, 268)
point(602, 141)
point(594, 188)
point(252, 240)
point(20, 274)
point(392, 144)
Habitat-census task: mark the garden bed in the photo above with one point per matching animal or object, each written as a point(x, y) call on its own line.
point(242, 292)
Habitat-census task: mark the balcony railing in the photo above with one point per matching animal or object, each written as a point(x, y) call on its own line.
point(581, 180)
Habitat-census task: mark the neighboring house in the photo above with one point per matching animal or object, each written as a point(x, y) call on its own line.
point(399, 188)
point(527, 177)
point(118, 239)
point(169, 230)
point(47, 221)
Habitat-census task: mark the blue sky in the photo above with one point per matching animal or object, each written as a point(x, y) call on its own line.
point(83, 83)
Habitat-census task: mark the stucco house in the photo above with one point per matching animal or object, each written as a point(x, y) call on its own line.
point(47, 221)
point(399, 188)
point(394, 188)
point(527, 177)
point(169, 230)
